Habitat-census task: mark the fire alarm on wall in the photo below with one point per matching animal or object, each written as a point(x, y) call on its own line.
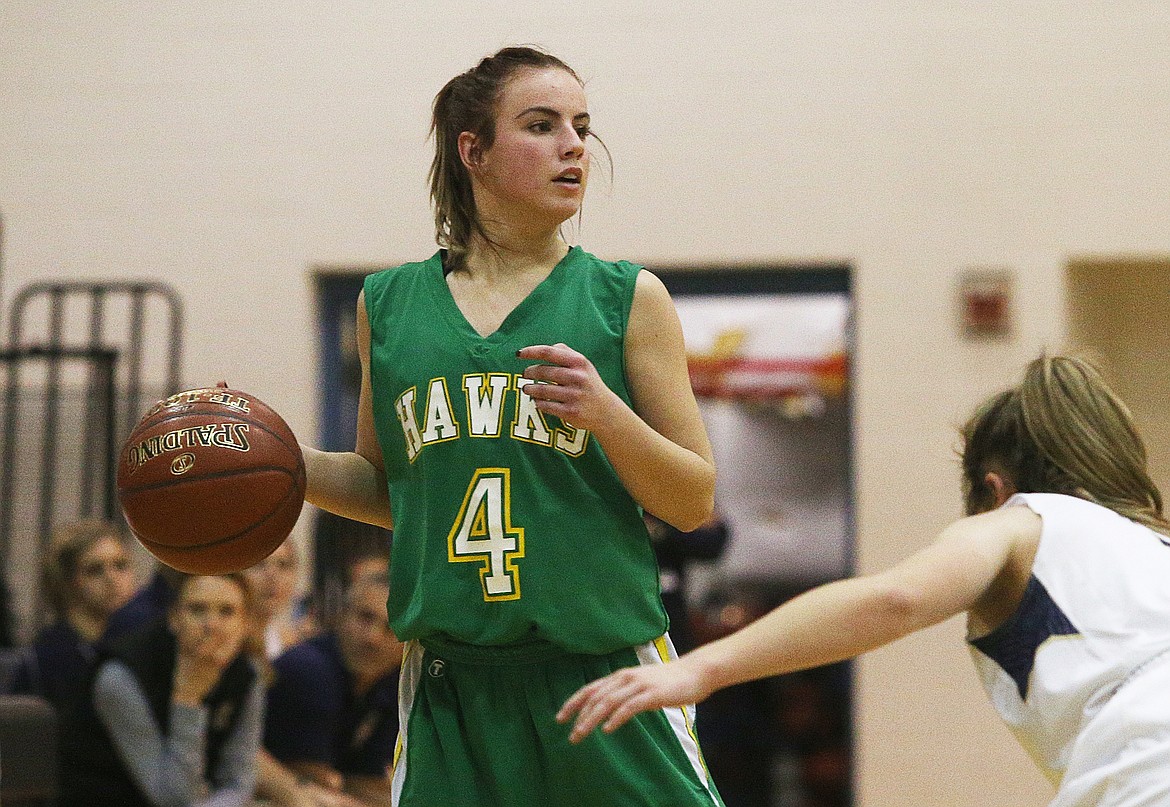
point(985, 303)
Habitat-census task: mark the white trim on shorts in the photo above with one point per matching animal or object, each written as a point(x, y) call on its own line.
point(408, 678)
point(681, 719)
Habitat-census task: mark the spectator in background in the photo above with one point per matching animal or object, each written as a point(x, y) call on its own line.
point(282, 622)
point(675, 550)
point(148, 605)
point(374, 565)
point(364, 561)
point(332, 717)
point(280, 615)
point(175, 712)
point(87, 576)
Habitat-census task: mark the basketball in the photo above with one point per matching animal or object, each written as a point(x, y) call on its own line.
point(211, 481)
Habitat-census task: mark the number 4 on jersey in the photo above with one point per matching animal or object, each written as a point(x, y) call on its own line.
point(483, 532)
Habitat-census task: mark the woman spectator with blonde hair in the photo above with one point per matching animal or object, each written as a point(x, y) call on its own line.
point(87, 575)
point(173, 713)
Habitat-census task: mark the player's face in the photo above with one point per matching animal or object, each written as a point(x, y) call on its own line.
point(537, 167)
point(210, 608)
point(274, 580)
point(104, 578)
point(368, 644)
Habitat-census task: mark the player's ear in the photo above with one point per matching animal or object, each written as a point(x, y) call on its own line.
point(470, 150)
point(1001, 487)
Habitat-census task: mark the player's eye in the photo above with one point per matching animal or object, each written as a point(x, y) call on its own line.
point(583, 132)
point(541, 126)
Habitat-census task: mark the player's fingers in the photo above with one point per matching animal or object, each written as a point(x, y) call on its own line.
point(637, 698)
point(587, 705)
point(578, 699)
point(553, 374)
point(622, 714)
point(588, 718)
point(550, 392)
point(586, 694)
point(600, 706)
point(560, 353)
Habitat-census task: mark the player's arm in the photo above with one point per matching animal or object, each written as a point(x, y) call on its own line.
point(353, 483)
point(659, 449)
point(836, 621)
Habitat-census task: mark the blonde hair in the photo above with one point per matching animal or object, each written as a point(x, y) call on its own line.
point(1062, 430)
point(253, 644)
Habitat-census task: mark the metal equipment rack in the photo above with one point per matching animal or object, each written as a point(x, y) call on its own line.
point(82, 363)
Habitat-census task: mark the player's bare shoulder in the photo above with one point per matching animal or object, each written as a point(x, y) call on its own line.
point(650, 293)
point(1020, 528)
point(654, 324)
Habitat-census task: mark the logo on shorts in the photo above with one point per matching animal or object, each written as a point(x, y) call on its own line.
point(436, 668)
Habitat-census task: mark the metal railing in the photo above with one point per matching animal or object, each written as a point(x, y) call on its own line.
point(81, 359)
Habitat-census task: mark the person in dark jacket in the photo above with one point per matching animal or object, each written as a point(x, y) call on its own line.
point(175, 709)
point(87, 576)
point(149, 604)
point(332, 715)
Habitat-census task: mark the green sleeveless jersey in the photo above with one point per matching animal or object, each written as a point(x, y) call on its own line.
point(510, 525)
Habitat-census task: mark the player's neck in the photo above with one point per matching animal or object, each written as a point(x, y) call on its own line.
point(512, 251)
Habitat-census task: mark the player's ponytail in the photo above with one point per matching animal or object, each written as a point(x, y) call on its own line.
point(1062, 430)
point(467, 103)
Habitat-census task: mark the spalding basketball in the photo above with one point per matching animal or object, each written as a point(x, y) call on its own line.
point(211, 481)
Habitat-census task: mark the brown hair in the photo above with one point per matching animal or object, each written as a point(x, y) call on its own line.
point(1061, 430)
point(467, 103)
point(67, 544)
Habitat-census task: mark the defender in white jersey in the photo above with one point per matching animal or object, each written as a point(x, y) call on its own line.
point(1079, 671)
point(1063, 569)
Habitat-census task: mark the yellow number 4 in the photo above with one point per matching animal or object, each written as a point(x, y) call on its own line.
point(483, 532)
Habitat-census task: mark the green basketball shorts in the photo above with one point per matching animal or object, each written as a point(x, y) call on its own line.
point(478, 729)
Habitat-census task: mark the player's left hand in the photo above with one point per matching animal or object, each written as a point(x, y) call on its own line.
point(611, 701)
point(569, 387)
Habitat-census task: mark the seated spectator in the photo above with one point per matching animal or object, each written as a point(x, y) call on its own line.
point(176, 709)
point(367, 561)
point(87, 576)
point(148, 605)
point(280, 615)
point(332, 717)
point(374, 564)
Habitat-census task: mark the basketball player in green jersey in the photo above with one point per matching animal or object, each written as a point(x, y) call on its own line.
point(521, 402)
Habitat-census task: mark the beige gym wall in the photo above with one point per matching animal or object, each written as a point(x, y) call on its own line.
point(227, 147)
point(1117, 311)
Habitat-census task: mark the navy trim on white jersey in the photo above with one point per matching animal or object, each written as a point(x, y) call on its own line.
point(1013, 644)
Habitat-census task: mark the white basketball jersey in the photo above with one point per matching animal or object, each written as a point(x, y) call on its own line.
point(1094, 620)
